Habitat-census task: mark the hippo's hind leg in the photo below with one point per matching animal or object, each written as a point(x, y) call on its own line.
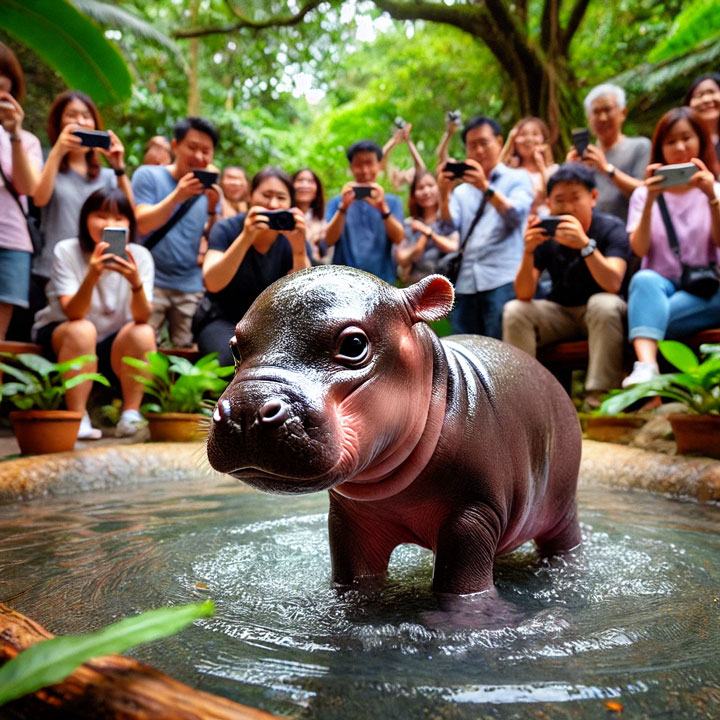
point(563, 537)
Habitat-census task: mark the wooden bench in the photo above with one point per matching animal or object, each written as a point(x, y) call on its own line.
point(16, 347)
point(563, 357)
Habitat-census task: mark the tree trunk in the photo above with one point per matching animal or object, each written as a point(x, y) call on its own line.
point(193, 91)
point(110, 688)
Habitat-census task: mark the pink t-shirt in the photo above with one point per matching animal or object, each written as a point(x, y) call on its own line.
point(13, 228)
point(690, 214)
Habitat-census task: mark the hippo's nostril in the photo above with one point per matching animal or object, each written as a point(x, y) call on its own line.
point(222, 411)
point(274, 412)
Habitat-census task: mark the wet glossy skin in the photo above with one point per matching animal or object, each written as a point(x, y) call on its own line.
point(466, 446)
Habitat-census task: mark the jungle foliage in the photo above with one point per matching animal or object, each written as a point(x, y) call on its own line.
point(248, 65)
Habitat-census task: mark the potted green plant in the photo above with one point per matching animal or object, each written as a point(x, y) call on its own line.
point(184, 393)
point(696, 385)
point(38, 391)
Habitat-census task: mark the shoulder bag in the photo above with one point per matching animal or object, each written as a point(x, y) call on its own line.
point(700, 280)
point(32, 224)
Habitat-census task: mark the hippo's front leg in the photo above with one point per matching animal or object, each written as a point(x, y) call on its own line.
point(359, 549)
point(465, 552)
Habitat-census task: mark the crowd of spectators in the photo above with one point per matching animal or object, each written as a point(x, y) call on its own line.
point(548, 252)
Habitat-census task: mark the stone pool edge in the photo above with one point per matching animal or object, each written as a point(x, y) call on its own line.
point(114, 465)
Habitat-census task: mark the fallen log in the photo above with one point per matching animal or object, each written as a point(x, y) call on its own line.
point(113, 687)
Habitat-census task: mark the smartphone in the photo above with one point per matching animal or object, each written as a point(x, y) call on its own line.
point(6, 105)
point(117, 238)
point(453, 116)
point(362, 191)
point(675, 175)
point(94, 138)
point(457, 168)
point(580, 139)
point(207, 177)
point(549, 224)
point(280, 219)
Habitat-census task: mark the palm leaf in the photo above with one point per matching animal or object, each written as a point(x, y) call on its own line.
point(71, 44)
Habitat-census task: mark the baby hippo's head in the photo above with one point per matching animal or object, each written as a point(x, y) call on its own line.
point(333, 380)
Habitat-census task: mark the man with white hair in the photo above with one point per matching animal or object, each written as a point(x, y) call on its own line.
point(619, 161)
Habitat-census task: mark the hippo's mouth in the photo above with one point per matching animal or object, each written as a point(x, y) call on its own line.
point(285, 484)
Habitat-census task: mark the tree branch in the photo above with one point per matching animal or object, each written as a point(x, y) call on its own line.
point(247, 23)
point(576, 16)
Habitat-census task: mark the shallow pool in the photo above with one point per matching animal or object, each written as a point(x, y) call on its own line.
point(632, 617)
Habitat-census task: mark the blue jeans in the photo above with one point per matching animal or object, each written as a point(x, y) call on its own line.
point(657, 308)
point(481, 312)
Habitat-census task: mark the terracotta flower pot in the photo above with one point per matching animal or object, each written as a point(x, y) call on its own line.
point(697, 434)
point(612, 428)
point(177, 427)
point(45, 431)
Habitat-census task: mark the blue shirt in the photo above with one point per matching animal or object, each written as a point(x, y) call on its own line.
point(176, 254)
point(494, 251)
point(364, 243)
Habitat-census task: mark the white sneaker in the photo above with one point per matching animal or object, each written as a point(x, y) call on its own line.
point(641, 372)
point(87, 431)
point(130, 422)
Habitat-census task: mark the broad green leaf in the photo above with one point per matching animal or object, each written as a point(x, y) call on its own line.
point(12, 388)
point(21, 375)
point(75, 363)
point(37, 363)
point(82, 377)
point(71, 44)
point(51, 661)
point(680, 355)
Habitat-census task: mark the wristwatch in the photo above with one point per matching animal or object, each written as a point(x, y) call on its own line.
point(611, 171)
point(386, 215)
point(589, 249)
point(489, 192)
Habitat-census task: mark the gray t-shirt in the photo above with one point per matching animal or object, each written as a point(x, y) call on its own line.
point(632, 156)
point(61, 216)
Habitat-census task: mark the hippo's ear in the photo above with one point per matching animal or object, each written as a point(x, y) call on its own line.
point(430, 299)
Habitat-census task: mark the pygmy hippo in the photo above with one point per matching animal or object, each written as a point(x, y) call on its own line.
point(465, 446)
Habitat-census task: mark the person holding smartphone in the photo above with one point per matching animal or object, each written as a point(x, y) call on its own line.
point(100, 303)
point(364, 221)
point(175, 210)
point(72, 173)
point(658, 306)
point(617, 159)
point(20, 165)
point(585, 252)
point(246, 254)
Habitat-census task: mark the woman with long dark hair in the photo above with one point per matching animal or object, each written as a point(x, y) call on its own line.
point(99, 303)
point(73, 172)
point(660, 304)
point(245, 255)
point(703, 96)
point(310, 198)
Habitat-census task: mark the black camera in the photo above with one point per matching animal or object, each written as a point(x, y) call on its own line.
point(280, 219)
point(207, 177)
point(93, 138)
point(400, 123)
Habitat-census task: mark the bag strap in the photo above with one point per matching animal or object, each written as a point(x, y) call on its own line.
point(152, 240)
point(478, 214)
point(669, 227)
point(13, 192)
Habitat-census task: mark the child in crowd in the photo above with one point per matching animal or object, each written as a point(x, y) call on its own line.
point(245, 256)
point(427, 235)
point(659, 305)
point(99, 303)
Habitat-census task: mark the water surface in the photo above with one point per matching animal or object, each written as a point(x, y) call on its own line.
point(632, 617)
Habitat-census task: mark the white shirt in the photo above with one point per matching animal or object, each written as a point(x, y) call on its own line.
point(111, 296)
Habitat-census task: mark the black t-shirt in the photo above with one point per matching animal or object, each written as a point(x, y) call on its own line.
point(572, 282)
point(256, 271)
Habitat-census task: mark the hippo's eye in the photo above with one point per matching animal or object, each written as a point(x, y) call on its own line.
point(235, 352)
point(354, 347)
